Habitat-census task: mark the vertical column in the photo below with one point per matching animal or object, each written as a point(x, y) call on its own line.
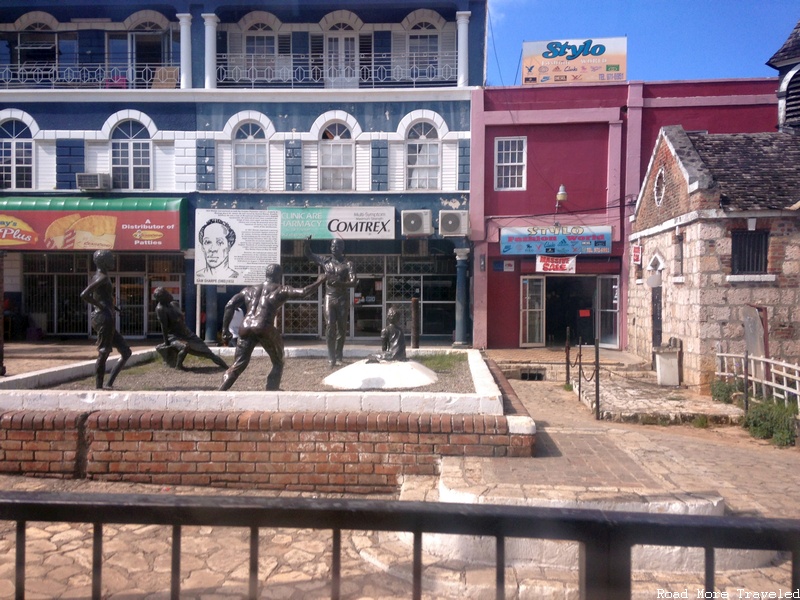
point(211, 21)
point(186, 50)
point(462, 300)
point(190, 293)
point(462, 20)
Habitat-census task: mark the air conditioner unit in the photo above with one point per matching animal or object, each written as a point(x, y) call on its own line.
point(93, 181)
point(453, 223)
point(416, 222)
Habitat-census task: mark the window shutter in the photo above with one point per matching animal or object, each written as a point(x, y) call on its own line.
point(363, 166)
point(449, 58)
point(397, 166)
point(399, 56)
point(449, 171)
point(277, 166)
point(224, 167)
point(310, 167)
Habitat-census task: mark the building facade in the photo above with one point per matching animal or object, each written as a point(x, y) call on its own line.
point(717, 235)
point(555, 174)
point(123, 125)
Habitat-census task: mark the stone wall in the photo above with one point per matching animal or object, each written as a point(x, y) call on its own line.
point(702, 307)
point(353, 452)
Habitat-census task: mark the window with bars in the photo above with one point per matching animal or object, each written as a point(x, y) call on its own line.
point(509, 163)
point(749, 252)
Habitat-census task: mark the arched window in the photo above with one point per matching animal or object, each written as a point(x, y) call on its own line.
point(336, 158)
point(261, 48)
point(16, 155)
point(250, 157)
point(131, 161)
point(422, 157)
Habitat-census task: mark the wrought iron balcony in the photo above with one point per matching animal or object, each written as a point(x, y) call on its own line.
point(345, 71)
point(42, 74)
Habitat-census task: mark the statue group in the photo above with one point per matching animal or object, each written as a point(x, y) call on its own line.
point(260, 304)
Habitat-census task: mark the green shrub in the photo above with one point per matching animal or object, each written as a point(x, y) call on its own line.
point(770, 420)
point(701, 422)
point(722, 391)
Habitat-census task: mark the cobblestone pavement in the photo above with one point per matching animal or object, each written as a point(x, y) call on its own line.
point(578, 459)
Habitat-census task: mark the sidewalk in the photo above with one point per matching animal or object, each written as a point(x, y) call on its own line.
point(578, 460)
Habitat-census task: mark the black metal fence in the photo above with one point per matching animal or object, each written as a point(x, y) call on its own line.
point(605, 537)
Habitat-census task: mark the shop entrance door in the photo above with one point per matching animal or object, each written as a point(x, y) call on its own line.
point(131, 297)
point(608, 310)
point(532, 312)
point(367, 308)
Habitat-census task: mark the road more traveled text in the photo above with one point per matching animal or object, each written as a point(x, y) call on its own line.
point(739, 593)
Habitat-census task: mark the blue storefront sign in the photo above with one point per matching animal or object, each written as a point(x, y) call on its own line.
point(575, 239)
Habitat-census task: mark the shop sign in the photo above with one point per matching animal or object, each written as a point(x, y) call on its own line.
point(85, 224)
point(234, 246)
point(555, 240)
point(555, 264)
point(574, 61)
point(636, 255)
point(346, 223)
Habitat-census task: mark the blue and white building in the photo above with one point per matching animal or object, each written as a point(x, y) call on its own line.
point(323, 111)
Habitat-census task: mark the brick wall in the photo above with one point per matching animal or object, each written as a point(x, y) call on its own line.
point(323, 452)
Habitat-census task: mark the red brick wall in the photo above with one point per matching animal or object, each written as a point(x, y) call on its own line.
point(323, 452)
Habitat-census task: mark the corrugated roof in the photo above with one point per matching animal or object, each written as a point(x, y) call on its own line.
point(753, 171)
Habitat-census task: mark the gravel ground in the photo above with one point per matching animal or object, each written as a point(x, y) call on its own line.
point(299, 374)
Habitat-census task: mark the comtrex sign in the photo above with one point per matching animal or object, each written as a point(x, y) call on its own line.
point(349, 223)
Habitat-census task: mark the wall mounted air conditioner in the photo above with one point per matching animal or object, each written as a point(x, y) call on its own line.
point(93, 181)
point(416, 222)
point(453, 223)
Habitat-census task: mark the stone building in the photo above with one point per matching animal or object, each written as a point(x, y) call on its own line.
point(716, 233)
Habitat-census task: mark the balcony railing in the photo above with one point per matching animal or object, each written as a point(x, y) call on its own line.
point(106, 76)
point(354, 71)
point(606, 538)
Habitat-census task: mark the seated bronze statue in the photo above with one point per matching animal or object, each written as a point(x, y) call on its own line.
point(393, 340)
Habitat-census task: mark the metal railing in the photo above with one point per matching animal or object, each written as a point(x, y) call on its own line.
point(760, 376)
point(120, 75)
point(606, 538)
point(355, 71)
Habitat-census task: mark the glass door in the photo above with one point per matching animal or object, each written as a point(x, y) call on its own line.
point(341, 61)
point(367, 311)
point(532, 311)
point(608, 310)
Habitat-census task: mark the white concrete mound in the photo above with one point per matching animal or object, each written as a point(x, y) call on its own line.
point(390, 375)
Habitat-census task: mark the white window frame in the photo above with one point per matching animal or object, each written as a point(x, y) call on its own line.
point(504, 153)
point(250, 158)
point(433, 150)
point(16, 154)
point(337, 158)
point(132, 157)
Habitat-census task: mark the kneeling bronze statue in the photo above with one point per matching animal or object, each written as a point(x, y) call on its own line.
point(393, 340)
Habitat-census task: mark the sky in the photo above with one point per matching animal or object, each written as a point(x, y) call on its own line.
point(667, 39)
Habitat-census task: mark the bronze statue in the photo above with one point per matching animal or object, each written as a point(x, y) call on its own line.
point(393, 340)
point(100, 294)
point(340, 276)
point(179, 340)
point(261, 303)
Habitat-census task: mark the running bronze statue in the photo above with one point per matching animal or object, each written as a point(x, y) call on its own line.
point(261, 304)
point(100, 295)
point(340, 276)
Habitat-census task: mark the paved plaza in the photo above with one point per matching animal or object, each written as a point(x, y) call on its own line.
point(578, 459)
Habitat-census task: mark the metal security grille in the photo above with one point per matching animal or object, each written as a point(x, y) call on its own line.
point(749, 252)
point(301, 317)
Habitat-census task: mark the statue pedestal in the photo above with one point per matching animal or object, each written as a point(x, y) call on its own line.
point(387, 375)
